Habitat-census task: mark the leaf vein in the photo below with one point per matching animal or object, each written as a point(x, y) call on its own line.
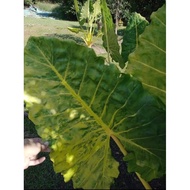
point(144, 64)
point(143, 39)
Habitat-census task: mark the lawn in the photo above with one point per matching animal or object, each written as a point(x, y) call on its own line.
point(46, 26)
point(57, 28)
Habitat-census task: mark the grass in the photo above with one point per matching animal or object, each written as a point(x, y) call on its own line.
point(57, 28)
point(46, 26)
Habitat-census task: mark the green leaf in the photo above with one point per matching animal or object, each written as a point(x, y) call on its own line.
point(109, 37)
point(78, 103)
point(148, 62)
point(96, 10)
point(135, 27)
point(75, 30)
point(86, 10)
point(90, 11)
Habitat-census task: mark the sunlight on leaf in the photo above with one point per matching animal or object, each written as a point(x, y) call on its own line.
point(68, 175)
point(31, 99)
point(92, 101)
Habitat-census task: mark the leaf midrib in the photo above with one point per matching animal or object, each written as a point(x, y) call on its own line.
point(84, 105)
point(76, 96)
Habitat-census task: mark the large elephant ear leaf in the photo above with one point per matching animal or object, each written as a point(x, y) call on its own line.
point(148, 62)
point(77, 103)
point(66, 85)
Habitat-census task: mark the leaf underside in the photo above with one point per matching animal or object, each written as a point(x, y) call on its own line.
point(77, 102)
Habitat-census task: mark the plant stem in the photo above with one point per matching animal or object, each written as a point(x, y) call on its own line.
point(119, 144)
point(122, 149)
point(145, 184)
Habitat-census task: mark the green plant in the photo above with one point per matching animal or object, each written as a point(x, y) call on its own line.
point(90, 13)
point(134, 57)
point(145, 7)
point(65, 11)
point(78, 103)
point(27, 2)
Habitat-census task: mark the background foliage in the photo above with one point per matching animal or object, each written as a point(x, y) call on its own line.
point(65, 9)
